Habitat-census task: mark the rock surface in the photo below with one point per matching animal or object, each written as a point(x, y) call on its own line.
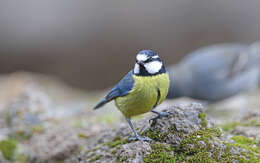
point(42, 129)
point(186, 135)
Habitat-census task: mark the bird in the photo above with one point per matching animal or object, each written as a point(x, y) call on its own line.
point(216, 72)
point(140, 90)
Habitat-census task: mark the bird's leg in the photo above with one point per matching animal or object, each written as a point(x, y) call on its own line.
point(137, 136)
point(159, 115)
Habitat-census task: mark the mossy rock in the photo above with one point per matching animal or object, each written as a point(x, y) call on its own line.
point(8, 148)
point(160, 153)
point(186, 135)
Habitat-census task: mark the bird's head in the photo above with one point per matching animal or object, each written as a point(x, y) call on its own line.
point(148, 63)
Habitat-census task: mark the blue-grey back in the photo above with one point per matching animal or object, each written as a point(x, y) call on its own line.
point(123, 87)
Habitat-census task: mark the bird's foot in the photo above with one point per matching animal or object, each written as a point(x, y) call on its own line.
point(159, 115)
point(140, 138)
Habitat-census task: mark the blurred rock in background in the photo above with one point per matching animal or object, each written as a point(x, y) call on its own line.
point(92, 44)
point(216, 72)
point(38, 125)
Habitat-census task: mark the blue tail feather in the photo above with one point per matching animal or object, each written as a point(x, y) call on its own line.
point(100, 104)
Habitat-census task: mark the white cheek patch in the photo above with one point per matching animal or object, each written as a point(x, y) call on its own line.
point(137, 69)
point(141, 57)
point(153, 67)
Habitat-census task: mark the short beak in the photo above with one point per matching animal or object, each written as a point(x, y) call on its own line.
point(140, 63)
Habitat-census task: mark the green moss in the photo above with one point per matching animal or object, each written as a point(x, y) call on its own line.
point(156, 134)
point(249, 144)
point(243, 157)
point(107, 118)
point(202, 157)
point(114, 150)
point(124, 158)
point(227, 156)
point(202, 117)
point(196, 147)
point(82, 136)
point(116, 141)
point(117, 160)
point(21, 135)
point(255, 122)
point(160, 153)
point(198, 141)
point(243, 140)
point(8, 148)
point(113, 144)
point(21, 158)
point(232, 125)
point(37, 129)
point(94, 158)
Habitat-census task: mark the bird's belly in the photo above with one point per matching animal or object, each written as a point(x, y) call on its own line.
point(144, 96)
point(138, 102)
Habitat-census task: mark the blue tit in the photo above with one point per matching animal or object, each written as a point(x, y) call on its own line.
point(216, 72)
point(141, 90)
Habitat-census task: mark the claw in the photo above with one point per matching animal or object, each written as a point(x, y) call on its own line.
point(140, 138)
point(137, 136)
point(159, 115)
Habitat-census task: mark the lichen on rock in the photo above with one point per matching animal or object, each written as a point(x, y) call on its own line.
point(8, 148)
point(187, 135)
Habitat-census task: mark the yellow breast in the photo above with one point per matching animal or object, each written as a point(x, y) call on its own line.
point(144, 95)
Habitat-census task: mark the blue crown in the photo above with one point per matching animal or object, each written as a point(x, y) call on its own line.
point(147, 52)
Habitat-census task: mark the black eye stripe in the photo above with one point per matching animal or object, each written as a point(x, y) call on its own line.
point(152, 59)
point(148, 60)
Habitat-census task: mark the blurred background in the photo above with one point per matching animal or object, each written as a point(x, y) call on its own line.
point(57, 59)
point(92, 44)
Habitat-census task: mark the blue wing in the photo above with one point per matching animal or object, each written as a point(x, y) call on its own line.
point(122, 88)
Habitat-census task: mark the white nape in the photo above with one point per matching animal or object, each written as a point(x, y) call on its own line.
point(153, 67)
